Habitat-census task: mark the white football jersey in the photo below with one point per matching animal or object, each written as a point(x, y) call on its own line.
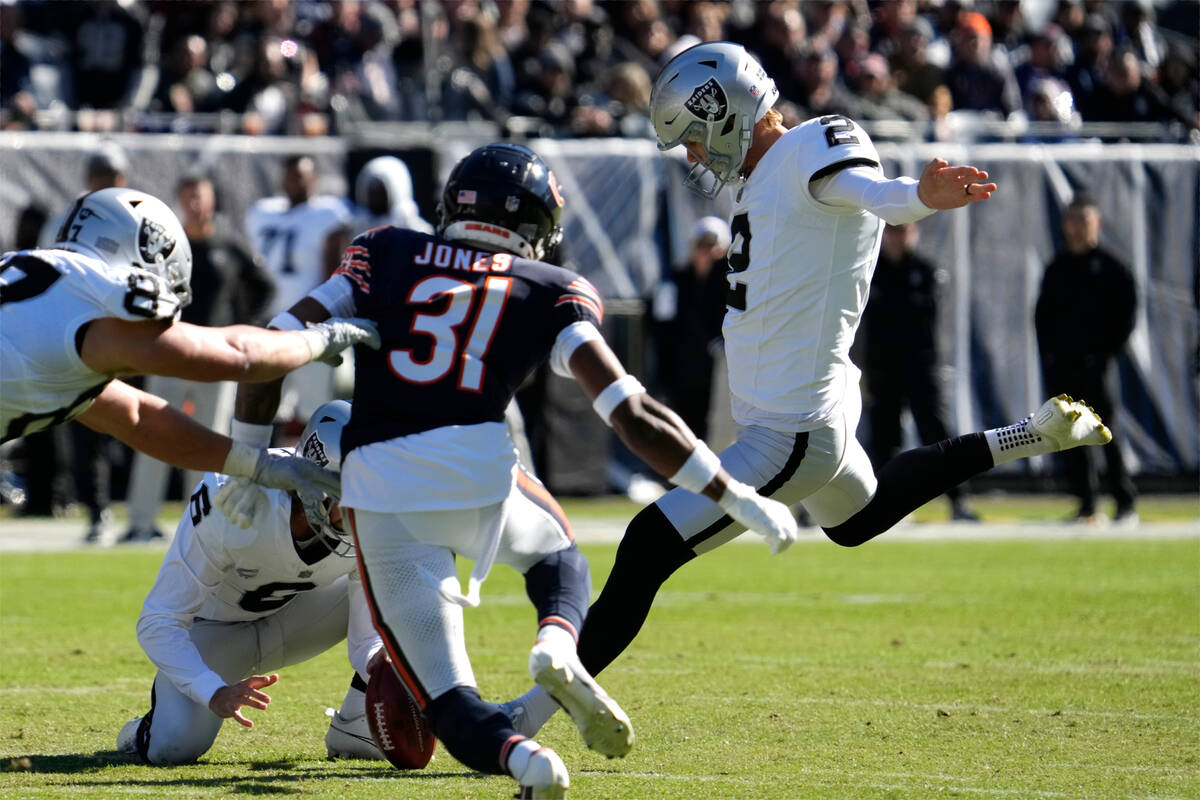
point(214, 570)
point(46, 297)
point(291, 241)
point(799, 276)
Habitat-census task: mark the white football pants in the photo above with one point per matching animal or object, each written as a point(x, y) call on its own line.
point(407, 564)
point(825, 469)
point(182, 730)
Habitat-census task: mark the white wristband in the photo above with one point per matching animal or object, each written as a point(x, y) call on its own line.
point(614, 394)
point(251, 433)
point(699, 469)
point(242, 460)
point(286, 321)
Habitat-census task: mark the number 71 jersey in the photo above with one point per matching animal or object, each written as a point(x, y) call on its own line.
point(799, 274)
point(461, 329)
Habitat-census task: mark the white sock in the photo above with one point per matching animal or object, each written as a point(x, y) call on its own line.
point(1016, 441)
point(558, 636)
point(539, 707)
point(518, 757)
point(354, 704)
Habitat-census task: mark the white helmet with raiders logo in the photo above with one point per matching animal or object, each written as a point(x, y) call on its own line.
point(321, 443)
point(711, 95)
point(127, 227)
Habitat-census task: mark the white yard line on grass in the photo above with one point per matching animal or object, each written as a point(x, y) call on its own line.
point(46, 535)
point(115, 685)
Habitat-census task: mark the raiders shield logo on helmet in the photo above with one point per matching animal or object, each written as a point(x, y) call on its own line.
point(154, 243)
point(314, 451)
point(708, 101)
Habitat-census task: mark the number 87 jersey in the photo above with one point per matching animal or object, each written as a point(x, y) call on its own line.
point(461, 329)
point(47, 297)
point(799, 274)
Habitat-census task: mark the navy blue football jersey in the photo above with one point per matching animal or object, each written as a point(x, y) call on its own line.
point(461, 329)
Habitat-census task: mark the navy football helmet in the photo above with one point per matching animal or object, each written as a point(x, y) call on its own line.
point(503, 197)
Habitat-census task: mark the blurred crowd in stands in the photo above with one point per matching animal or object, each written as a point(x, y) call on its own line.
point(574, 68)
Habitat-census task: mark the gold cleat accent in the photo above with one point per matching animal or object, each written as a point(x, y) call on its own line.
point(1067, 423)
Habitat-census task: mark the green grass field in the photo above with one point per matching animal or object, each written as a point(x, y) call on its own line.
point(992, 669)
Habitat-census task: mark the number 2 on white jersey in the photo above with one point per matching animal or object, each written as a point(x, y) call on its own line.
point(442, 328)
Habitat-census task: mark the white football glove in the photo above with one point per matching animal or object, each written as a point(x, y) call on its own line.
point(240, 500)
point(329, 338)
point(295, 474)
point(766, 517)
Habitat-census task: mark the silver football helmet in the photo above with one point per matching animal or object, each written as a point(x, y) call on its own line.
point(711, 95)
point(321, 443)
point(124, 226)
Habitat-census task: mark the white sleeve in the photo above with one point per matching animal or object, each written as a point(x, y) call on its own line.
point(569, 339)
point(362, 640)
point(336, 295)
point(895, 201)
point(184, 582)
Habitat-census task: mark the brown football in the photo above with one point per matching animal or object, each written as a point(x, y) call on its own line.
point(396, 723)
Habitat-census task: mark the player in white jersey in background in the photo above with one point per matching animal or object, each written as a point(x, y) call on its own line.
point(383, 195)
point(230, 606)
point(104, 302)
point(806, 223)
point(300, 236)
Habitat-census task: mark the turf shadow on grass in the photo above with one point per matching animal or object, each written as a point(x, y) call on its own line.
point(272, 773)
point(69, 764)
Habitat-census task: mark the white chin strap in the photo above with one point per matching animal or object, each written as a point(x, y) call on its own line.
point(489, 237)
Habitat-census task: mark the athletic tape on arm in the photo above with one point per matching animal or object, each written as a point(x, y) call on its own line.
point(568, 341)
point(286, 321)
point(614, 394)
point(699, 469)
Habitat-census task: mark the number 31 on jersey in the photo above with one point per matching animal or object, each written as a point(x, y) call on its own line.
point(445, 352)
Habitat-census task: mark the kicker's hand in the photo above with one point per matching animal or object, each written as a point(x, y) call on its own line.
point(227, 701)
point(329, 338)
point(766, 517)
point(944, 187)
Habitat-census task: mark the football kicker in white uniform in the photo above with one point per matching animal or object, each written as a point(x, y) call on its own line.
point(232, 605)
point(806, 226)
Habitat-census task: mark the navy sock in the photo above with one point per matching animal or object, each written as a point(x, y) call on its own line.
point(476, 733)
point(559, 587)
